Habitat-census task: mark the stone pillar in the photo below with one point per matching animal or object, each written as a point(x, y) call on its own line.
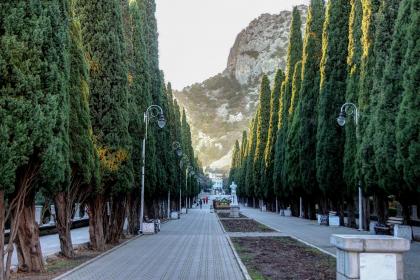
point(369, 257)
point(52, 217)
point(76, 211)
point(38, 212)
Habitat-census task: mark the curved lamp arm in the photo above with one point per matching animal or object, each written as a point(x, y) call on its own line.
point(350, 109)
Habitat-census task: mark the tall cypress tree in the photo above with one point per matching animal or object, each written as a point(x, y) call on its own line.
point(352, 92)
point(104, 39)
point(242, 169)
point(306, 111)
point(294, 54)
point(267, 179)
point(366, 103)
point(249, 173)
point(34, 111)
point(388, 105)
point(389, 70)
point(387, 16)
point(330, 140)
point(262, 123)
point(292, 156)
point(83, 159)
point(235, 163)
point(407, 123)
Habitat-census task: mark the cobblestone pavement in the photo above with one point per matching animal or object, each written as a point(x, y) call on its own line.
point(311, 232)
point(193, 247)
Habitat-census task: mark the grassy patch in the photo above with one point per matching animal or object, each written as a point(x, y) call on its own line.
point(283, 258)
point(244, 225)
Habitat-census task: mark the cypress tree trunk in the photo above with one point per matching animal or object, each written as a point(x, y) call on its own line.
point(27, 243)
point(96, 230)
point(117, 219)
point(63, 208)
point(133, 204)
point(351, 218)
point(2, 221)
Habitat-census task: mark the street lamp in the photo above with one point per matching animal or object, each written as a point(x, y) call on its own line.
point(153, 111)
point(348, 109)
point(176, 147)
point(351, 110)
point(189, 171)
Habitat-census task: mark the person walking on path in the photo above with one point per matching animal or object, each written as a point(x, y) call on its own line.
point(201, 204)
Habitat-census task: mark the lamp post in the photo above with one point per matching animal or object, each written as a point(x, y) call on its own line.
point(188, 172)
point(176, 147)
point(350, 109)
point(153, 111)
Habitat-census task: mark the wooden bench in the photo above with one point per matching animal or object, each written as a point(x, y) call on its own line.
point(388, 228)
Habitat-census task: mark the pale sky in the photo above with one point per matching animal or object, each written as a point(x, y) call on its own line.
point(195, 36)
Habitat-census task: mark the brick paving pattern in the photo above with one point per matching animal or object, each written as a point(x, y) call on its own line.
point(193, 247)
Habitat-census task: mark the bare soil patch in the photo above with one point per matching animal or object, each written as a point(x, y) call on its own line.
point(244, 225)
point(57, 265)
point(226, 215)
point(283, 258)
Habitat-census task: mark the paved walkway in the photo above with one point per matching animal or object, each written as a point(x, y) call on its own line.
point(193, 247)
point(311, 232)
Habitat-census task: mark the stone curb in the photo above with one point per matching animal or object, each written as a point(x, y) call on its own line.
point(100, 256)
point(237, 258)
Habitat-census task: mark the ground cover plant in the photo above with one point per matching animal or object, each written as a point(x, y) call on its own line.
point(283, 258)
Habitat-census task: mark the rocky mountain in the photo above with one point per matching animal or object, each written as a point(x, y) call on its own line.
point(220, 108)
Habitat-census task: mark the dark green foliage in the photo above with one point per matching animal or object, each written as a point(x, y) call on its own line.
point(236, 158)
point(366, 99)
point(267, 179)
point(34, 93)
point(330, 140)
point(108, 86)
point(408, 119)
point(388, 104)
point(249, 164)
point(308, 98)
point(83, 156)
point(242, 167)
point(352, 92)
point(293, 173)
point(294, 54)
point(262, 123)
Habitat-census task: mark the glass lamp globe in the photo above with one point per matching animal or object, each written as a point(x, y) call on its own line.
point(161, 121)
point(341, 120)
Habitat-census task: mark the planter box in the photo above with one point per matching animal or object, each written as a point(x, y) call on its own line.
point(334, 221)
point(403, 231)
point(148, 228)
point(174, 215)
point(287, 212)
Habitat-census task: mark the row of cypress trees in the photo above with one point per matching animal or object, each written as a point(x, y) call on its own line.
point(360, 51)
point(75, 79)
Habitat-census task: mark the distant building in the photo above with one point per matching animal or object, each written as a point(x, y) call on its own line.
point(217, 180)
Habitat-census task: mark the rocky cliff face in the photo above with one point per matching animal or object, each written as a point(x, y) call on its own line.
point(221, 107)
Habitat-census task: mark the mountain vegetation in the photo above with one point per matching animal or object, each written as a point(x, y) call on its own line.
point(363, 52)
